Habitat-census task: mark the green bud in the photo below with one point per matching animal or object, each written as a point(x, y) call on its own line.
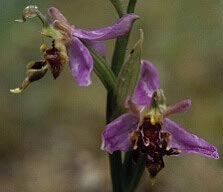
point(35, 71)
point(30, 12)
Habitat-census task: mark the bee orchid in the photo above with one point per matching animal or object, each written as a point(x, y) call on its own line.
point(147, 131)
point(69, 43)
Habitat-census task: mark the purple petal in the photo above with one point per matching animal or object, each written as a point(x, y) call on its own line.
point(180, 107)
point(116, 134)
point(148, 83)
point(98, 46)
point(120, 28)
point(133, 108)
point(188, 142)
point(80, 61)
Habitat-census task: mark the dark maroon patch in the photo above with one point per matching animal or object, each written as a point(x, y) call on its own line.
point(38, 65)
point(37, 72)
point(54, 58)
point(152, 143)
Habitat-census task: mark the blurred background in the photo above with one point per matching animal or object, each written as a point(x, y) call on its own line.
point(50, 134)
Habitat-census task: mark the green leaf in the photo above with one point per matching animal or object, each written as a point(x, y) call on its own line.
point(121, 44)
point(128, 76)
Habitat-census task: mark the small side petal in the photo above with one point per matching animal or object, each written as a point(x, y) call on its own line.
point(149, 81)
point(116, 134)
point(80, 61)
point(120, 28)
point(187, 142)
point(180, 107)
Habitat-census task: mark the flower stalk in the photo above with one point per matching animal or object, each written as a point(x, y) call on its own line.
point(119, 7)
point(121, 44)
point(117, 61)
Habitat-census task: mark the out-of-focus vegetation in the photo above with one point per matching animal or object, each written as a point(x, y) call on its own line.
point(50, 134)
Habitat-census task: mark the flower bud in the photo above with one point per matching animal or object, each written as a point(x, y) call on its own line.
point(35, 71)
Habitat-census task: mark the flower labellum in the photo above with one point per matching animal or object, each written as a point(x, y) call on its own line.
point(150, 140)
point(147, 131)
point(55, 59)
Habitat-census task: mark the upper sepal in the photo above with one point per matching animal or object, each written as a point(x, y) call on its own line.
point(118, 29)
point(149, 81)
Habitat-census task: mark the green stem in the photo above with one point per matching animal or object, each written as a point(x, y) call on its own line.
point(115, 160)
point(121, 44)
point(131, 6)
point(117, 61)
point(138, 171)
point(118, 6)
point(108, 79)
point(130, 174)
point(127, 169)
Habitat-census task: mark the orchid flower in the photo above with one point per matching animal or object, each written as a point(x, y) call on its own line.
point(68, 45)
point(147, 131)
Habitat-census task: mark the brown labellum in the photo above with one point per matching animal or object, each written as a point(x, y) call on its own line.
point(153, 144)
point(56, 61)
